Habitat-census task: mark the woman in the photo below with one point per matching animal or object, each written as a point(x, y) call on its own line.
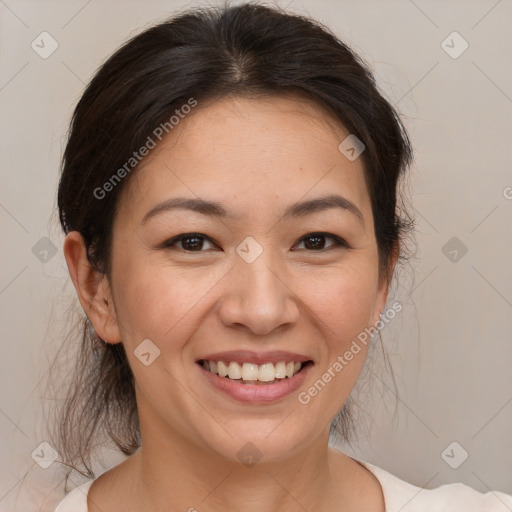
point(229, 196)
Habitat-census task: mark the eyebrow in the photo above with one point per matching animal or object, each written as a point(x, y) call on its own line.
point(215, 209)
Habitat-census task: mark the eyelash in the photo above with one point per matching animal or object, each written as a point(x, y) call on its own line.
point(338, 242)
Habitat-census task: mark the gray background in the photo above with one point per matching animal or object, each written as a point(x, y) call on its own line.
point(451, 347)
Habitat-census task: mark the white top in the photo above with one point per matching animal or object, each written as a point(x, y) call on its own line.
point(399, 496)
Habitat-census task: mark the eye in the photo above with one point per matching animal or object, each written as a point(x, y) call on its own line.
point(316, 241)
point(194, 242)
point(190, 242)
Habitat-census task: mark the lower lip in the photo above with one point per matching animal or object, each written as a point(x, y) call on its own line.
point(256, 393)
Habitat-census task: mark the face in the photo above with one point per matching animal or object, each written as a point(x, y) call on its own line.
point(260, 283)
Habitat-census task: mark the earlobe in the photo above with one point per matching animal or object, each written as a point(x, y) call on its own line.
point(110, 330)
point(92, 288)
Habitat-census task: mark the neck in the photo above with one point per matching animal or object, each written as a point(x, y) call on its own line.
point(174, 474)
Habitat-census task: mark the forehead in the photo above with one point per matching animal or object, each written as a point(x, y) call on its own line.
point(247, 150)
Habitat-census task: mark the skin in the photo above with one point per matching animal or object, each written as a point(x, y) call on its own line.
point(256, 157)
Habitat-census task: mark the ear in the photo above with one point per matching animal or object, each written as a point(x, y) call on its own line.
point(384, 282)
point(93, 289)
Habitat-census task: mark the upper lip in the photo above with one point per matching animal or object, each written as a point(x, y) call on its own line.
point(247, 356)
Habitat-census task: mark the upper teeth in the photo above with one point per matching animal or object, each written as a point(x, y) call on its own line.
point(250, 371)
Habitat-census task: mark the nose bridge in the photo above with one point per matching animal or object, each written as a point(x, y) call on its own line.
point(257, 295)
point(260, 275)
point(257, 267)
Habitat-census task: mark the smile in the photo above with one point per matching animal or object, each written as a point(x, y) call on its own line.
point(252, 373)
point(254, 378)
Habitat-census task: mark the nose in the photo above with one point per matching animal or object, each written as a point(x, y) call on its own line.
point(258, 297)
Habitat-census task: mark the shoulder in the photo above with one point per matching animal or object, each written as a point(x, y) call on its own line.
point(76, 500)
point(401, 495)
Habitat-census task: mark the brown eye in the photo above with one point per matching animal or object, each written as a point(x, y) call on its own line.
point(316, 241)
point(190, 242)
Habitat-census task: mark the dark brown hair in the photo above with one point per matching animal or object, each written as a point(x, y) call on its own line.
point(206, 54)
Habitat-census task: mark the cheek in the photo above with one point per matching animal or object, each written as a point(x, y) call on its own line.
point(158, 302)
point(342, 307)
point(344, 301)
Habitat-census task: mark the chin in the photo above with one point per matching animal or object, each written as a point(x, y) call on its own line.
point(250, 446)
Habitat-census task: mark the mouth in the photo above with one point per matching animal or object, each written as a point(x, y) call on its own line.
point(254, 378)
point(252, 373)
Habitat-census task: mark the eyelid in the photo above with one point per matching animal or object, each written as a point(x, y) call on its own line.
point(168, 244)
point(339, 242)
